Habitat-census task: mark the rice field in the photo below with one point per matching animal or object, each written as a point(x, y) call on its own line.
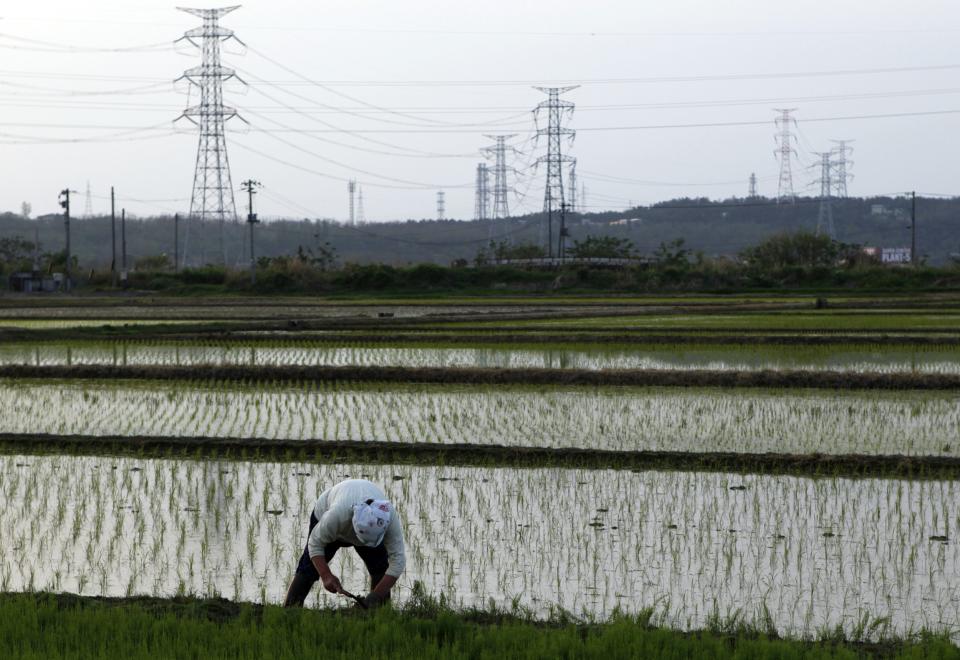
point(858, 359)
point(802, 554)
point(68, 323)
point(828, 320)
point(625, 419)
point(810, 554)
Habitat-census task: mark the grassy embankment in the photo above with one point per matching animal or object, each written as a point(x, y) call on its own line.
point(50, 626)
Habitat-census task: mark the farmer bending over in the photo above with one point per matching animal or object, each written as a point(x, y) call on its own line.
point(354, 513)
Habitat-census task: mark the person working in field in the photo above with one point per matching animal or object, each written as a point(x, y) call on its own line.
point(354, 513)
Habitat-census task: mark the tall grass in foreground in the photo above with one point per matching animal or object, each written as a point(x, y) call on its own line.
point(45, 627)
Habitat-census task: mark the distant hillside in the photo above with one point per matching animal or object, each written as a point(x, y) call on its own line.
point(716, 228)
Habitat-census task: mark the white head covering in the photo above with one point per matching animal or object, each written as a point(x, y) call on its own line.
point(370, 521)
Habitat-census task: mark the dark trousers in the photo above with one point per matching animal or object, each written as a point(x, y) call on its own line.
point(375, 559)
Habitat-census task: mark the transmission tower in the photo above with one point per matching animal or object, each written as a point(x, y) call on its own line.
point(753, 186)
point(785, 151)
point(572, 206)
point(481, 205)
point(553, 199)
point(352, 191)
point(825, 217)
point(441, 205)
point(501, 206)
point(212, 197)
point(842, 176)
point(361, 214)
point(88, 203)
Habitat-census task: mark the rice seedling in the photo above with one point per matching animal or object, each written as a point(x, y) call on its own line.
point(627, 418)
point(921, 359)
point(812, 554)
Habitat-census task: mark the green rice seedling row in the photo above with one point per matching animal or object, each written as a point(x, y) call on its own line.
point(622, 418)
point(864, 358)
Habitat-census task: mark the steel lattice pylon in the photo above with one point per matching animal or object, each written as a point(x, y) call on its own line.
point(501, 204)
point(553, 198)
point(842, 174)
point(352, 191)
point(825, 216)
point(481, 207)
point(573, 206)
point(785, 153)
point(212, 197)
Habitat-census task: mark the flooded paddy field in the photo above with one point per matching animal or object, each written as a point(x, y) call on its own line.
point(909, 423)
point(846, 358)
point(946, 320)
point(268, 310)
point(814, 553)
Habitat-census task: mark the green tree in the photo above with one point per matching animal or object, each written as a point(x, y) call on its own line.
point(323, 256)
point(153, 263)
point(502, 251)
point(796, 250)
point(672, 254)
point(608, 247)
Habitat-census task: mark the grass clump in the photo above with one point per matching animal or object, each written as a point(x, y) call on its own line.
point(47, 626)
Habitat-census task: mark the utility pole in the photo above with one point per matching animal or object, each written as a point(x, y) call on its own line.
point(212, 197)
point(913, 229)
point(361, 214)
point(825, 216)
point(123, 247)
point(176, 242)
point(65, 205)
point(785, 151)
point(250, 187)
point(441, 205)
point(556, 109)
point(113, 237)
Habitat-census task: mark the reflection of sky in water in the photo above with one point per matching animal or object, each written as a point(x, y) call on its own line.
point(816, 552)
point(888, 360)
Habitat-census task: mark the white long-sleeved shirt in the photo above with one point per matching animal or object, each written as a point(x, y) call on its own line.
point(334, 513)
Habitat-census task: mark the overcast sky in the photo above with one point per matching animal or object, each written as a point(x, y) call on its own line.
point(403, 92)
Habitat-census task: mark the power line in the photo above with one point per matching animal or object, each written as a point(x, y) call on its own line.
point(405, 183)
point(334, 177)
point(54, 47)
point(627, 81)
point(331, 128)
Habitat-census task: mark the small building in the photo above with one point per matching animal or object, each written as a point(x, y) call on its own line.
point(35, 282)
point(878, 209)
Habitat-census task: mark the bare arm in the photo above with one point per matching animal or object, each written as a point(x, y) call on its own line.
point(384, 586)
point(330, 581)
